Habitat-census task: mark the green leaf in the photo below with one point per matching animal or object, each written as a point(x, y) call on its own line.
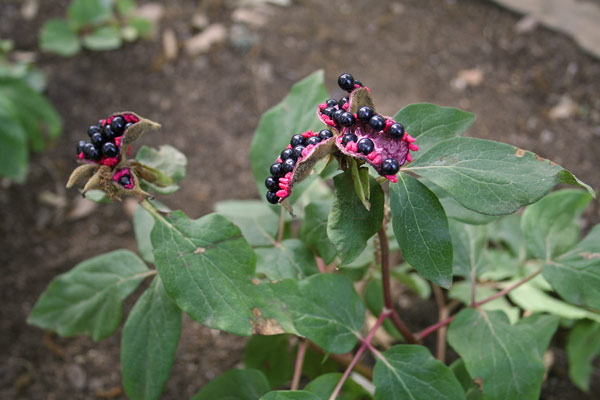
point(506, 231)
point(270, 354)
point(541, 327)
point(373, 296)
point(462, 291)
point(485, 176)
point(290, 395)
point(97, 196)
point(504, 356)
point(149, 342)
point(58, 37)
point(314, 230)
point(166, 159)
point(469, 243)
point(431, 124)
point(89, 298)
point(258, 223)
point(125, 7)
point(472, 391)
point(550, 226)
point(350, 225)
point(411, 372)
point(325, 309)
point(88, 12)
point(576, 274)
point(421, 229)
point(288, 259)
point(295, 114)
point(317, 364)
point(142, 226)
point(583, 345)
point(142, 26)
point(500, 264)
point(13, 143)
point(103, 38)
point(235, 384)
point(324, 386)
point(360, 178)
point(412, 281)
point(206, 266)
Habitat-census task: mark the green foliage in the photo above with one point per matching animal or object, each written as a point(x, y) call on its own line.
point(94, 24)
point(583, 345)
point(271, 355)
point(239, 384)
point(324, 385)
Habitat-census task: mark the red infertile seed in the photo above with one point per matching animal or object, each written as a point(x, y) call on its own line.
point(118, 141)
point(371, 156)
point(352, 146)
point(289, 146)
point(328, 120)
point(284, 181)
point(413, 147)
point(322, 106)
point(307, 134)
point(388, 122)
point(109, 120)
point(282, 193)
point(279, 160)
point(377, 160)
point(284, 187)
point(102, 122)
point(80, 156)
point(345, 106)
point(410, 139)
point(392, 178)
point(109, 162)
point(120, 173)
point(408, 158)
point(288, 175)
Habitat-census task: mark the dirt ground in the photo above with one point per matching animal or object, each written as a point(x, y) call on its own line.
point(209, 106)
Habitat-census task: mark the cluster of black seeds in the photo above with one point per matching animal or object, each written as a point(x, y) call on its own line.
point(104, 139)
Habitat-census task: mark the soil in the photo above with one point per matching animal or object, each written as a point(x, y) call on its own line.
point(209, 106)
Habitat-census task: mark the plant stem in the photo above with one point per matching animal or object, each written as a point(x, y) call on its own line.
point(429, 330)
point(345, 360)
point(440, 353)
point(281, 225)
point(365, 343)
point(387, 293)
point(298, 367)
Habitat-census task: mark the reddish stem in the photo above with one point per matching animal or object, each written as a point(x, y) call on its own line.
point(298, 367)
point(281, 226)
point(442, 315)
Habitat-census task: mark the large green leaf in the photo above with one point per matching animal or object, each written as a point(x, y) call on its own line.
point(324, 386)
point(431, 124)
point(258, 223)
point(325, 309)
point(350, 225)
point(103, 38)
point(87, 12)
point(290, 395)
point(411, 372)
point(488, 177)
point(206, 266)
point(469, 243)
point(235, 384)
point(58, 37)
point(462, 291)
point(314, 230)
point(149, 342)
point(142, 226)
point(89, 298)
point(271, 355)
point(421, 229)
point(13, 143)
point(505, 357)
point(541, 327)
point(166, 159)
point(583, 345)
point(295, 114)
point(288, 259)
point(576, 274)
point(550, 226)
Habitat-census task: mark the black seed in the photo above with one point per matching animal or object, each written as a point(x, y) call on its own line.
point(347, 119)
point(288, 165)
point(359, 83)
point(314, 140)
point(336, 116)
point(331, 103)
point(287, 153)
point(276, 169)
point(109, 134)
point(272, 197)
point(97, 140)
point(325, 134)
point(343, 101)
point(271, 183)
point(346, 82)
point(377, 122)
point(297, 140)
point(298, 151)
point(127, 125)
point(125, 180)
point(365, 146)
point(80, 146)
point(91, 153)
point(118, 125)
point(93, 129)
point(110, 149)
point(349, 137)
point(390, 166)
point(364, 114)
point(328, 111)
point(396, 131)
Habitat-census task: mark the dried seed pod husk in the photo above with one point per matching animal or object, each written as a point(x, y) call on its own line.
point(85, 171)
point(135, 131)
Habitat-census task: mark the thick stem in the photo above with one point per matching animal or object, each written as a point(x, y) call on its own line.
point(298, 367)
point(281, 225)
point(345, 360)
point(442, 315)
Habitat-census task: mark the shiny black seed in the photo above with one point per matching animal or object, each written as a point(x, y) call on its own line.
point(377, 122)
point(298, 151)
point(127, 125)
point(329, 111)
point(336, 116)
point(91, 153)
point(325, 134)
point(314, 140)
point(297, 140)
point(109, 134)
point(359, 83)
point(118, 125)
point(364, 114)
point(271, 183)
point(365, 146)
point(396, 131)
point(125, 180)
point(287, 153)
point(80, 146)
point(272, 197)
point(349, 137)
point(331, 103)
point(288, 165)
point(347, 119)
point(276, 170)
point(97, 140)
point(110, 149)
point(93, 129)
point(346, 82)
point(390, 166)
point(343, 101)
